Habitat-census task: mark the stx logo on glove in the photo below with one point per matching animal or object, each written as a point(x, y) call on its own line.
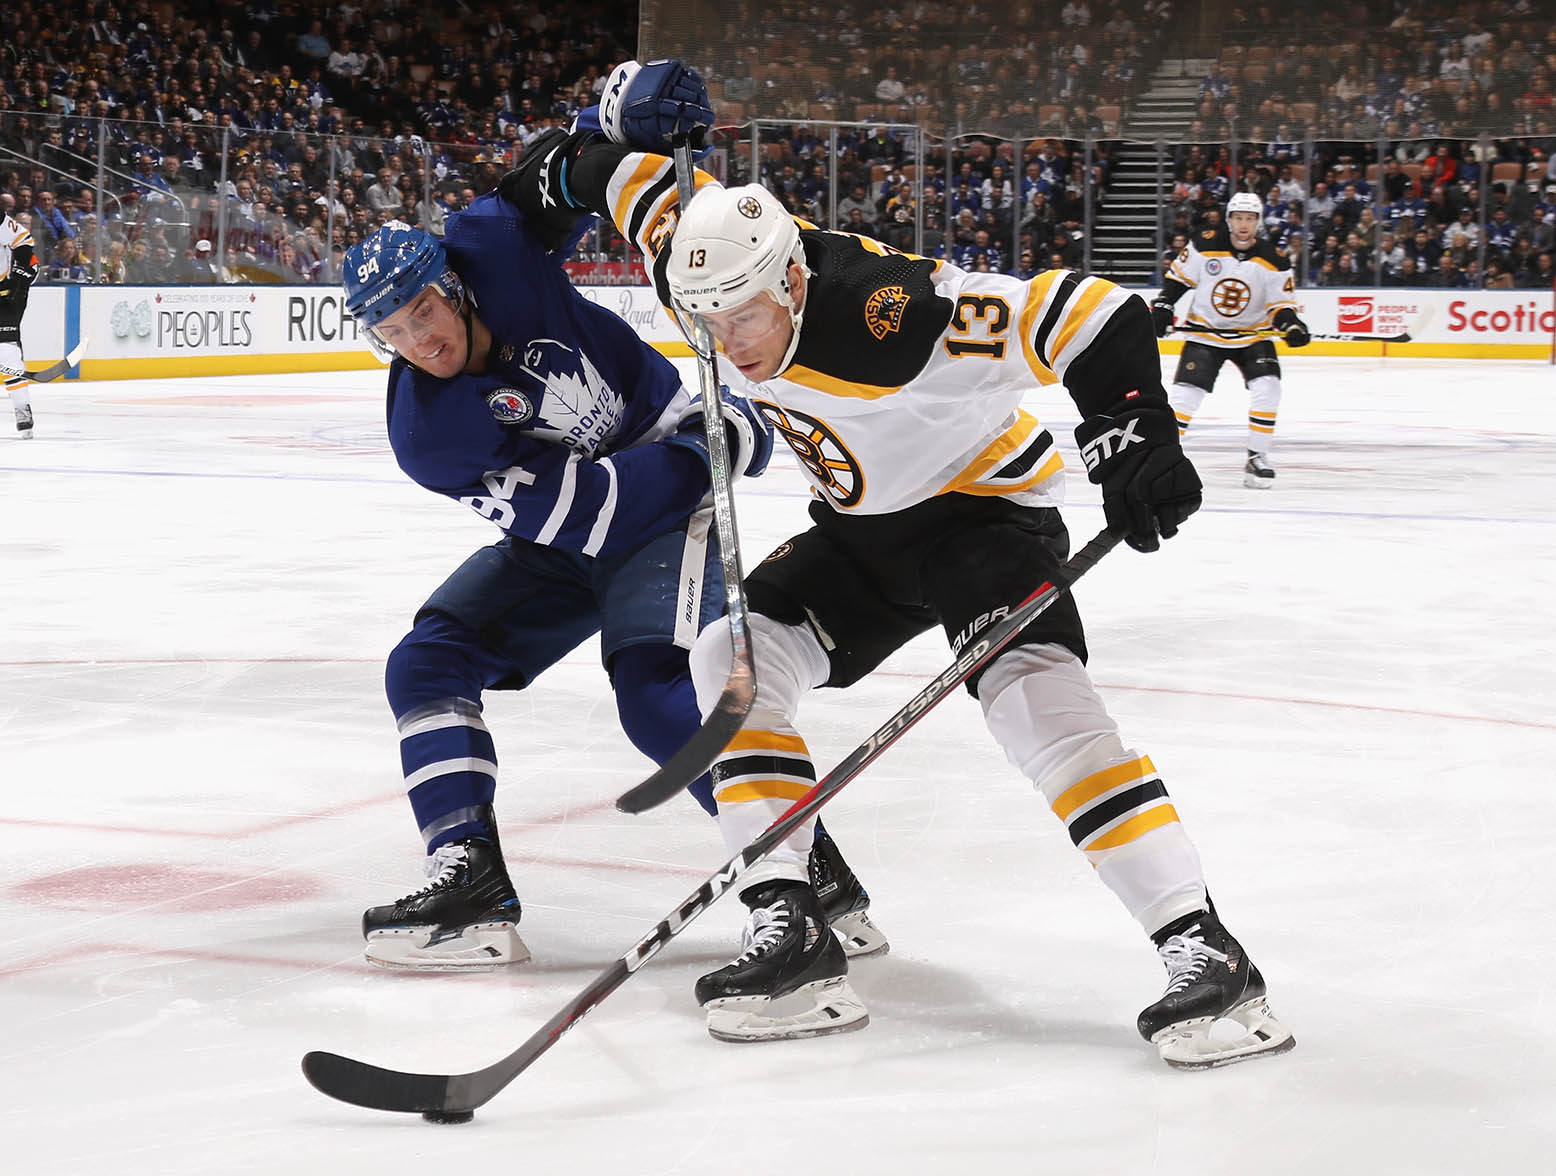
point(1101, 447)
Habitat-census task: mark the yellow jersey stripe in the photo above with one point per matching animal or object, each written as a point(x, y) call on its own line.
point(1162, 814)
point(1093, 786)
point(1026, 325)
point(1054, 465)
point(832, 386)
point(749, 790)
point(1076, 315)
point(644, 174)
point(997, 453)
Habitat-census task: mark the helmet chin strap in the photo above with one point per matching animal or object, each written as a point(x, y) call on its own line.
point(796, 313)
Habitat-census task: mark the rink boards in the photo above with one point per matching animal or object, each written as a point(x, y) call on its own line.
point(139, 332)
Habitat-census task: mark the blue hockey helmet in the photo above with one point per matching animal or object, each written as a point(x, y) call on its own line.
point(388, 270)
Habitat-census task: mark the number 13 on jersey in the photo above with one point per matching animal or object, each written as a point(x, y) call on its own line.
point(978, 326)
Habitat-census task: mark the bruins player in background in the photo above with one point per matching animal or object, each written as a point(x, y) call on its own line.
point(18, 268)
point(899, 381)
point(1244, 291)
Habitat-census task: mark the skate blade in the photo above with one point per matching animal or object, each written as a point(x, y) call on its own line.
point(480, 947)
point(833, 1007)
point(1207, 1042)
point(859, 936)
point(1254, 482)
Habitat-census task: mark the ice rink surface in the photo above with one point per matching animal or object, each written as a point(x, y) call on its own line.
point(1347, 683)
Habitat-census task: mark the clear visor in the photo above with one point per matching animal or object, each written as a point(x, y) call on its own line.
point(408, 326)
point(742, 328)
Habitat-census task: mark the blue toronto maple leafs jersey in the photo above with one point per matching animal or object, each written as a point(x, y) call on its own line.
point(554, 442)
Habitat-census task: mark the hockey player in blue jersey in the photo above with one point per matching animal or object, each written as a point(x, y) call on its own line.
point(546, 414)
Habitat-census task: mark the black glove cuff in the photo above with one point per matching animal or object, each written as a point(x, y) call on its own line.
point(1286, 318)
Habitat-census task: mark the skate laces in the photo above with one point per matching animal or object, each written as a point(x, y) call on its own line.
point(1186, 959)
point(443, 866)
point(764, 932)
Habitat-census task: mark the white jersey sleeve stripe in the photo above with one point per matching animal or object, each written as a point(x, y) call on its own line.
point(602, 521)
point(564, 502)
point(1095, 311)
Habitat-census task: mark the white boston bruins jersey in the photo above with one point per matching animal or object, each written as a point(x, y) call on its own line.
point(1234, 290)
point(909, 375)
point(939, 409)
point(12, 237)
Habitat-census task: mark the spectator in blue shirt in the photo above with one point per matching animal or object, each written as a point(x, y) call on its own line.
point(313, 43)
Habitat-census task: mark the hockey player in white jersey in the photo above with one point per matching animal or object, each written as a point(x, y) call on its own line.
point(898, 381)
point(18, 268)
point(1243, 293)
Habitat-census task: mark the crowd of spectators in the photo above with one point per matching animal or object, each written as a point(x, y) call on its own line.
point(1399, 168)
point(993, 216)
point(254, 140)
point(1403, 69)
point(334, 120)
point(1060, 68)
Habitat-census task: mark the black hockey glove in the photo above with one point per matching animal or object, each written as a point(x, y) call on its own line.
point(1148, 485)
point(537, 187)
point(1297, 334)
point(1161, 317)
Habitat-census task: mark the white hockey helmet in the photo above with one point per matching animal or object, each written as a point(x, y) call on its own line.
point(732, 245)
point(1244, 202)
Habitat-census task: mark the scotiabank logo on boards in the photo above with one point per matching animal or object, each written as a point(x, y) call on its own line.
point(1524, 316)
point(1355, 314)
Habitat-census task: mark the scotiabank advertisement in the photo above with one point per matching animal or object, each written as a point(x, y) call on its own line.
point(1506, 324)
point(1434, 316)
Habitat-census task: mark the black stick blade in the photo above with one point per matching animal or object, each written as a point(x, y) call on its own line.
point(698, 753)
point(363, 1085)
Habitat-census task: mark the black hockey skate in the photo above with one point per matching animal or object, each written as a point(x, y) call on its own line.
point(843, 899)
point(1258, 474)
point(1211, 983)
point(467, 919)
point(24, 423)
point(792, 978)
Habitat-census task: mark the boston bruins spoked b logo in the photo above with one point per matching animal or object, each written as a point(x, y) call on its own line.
point(820, 451)
point(1231, 297)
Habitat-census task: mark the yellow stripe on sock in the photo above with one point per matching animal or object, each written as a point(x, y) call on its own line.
point(748, 790)
point(1097, 783)
point(1163, 814)
point(751, 739)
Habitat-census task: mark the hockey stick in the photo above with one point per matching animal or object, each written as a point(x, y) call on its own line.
point(1239, 336)
point(1234, 333)
point(53, 372)
point(699, 752)
point(456, 1096)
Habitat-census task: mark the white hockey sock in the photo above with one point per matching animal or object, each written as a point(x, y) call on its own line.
point(20, 390)
point(1185, 400)
point(767, 766)
point(1041, 706)
point(1263, 405)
